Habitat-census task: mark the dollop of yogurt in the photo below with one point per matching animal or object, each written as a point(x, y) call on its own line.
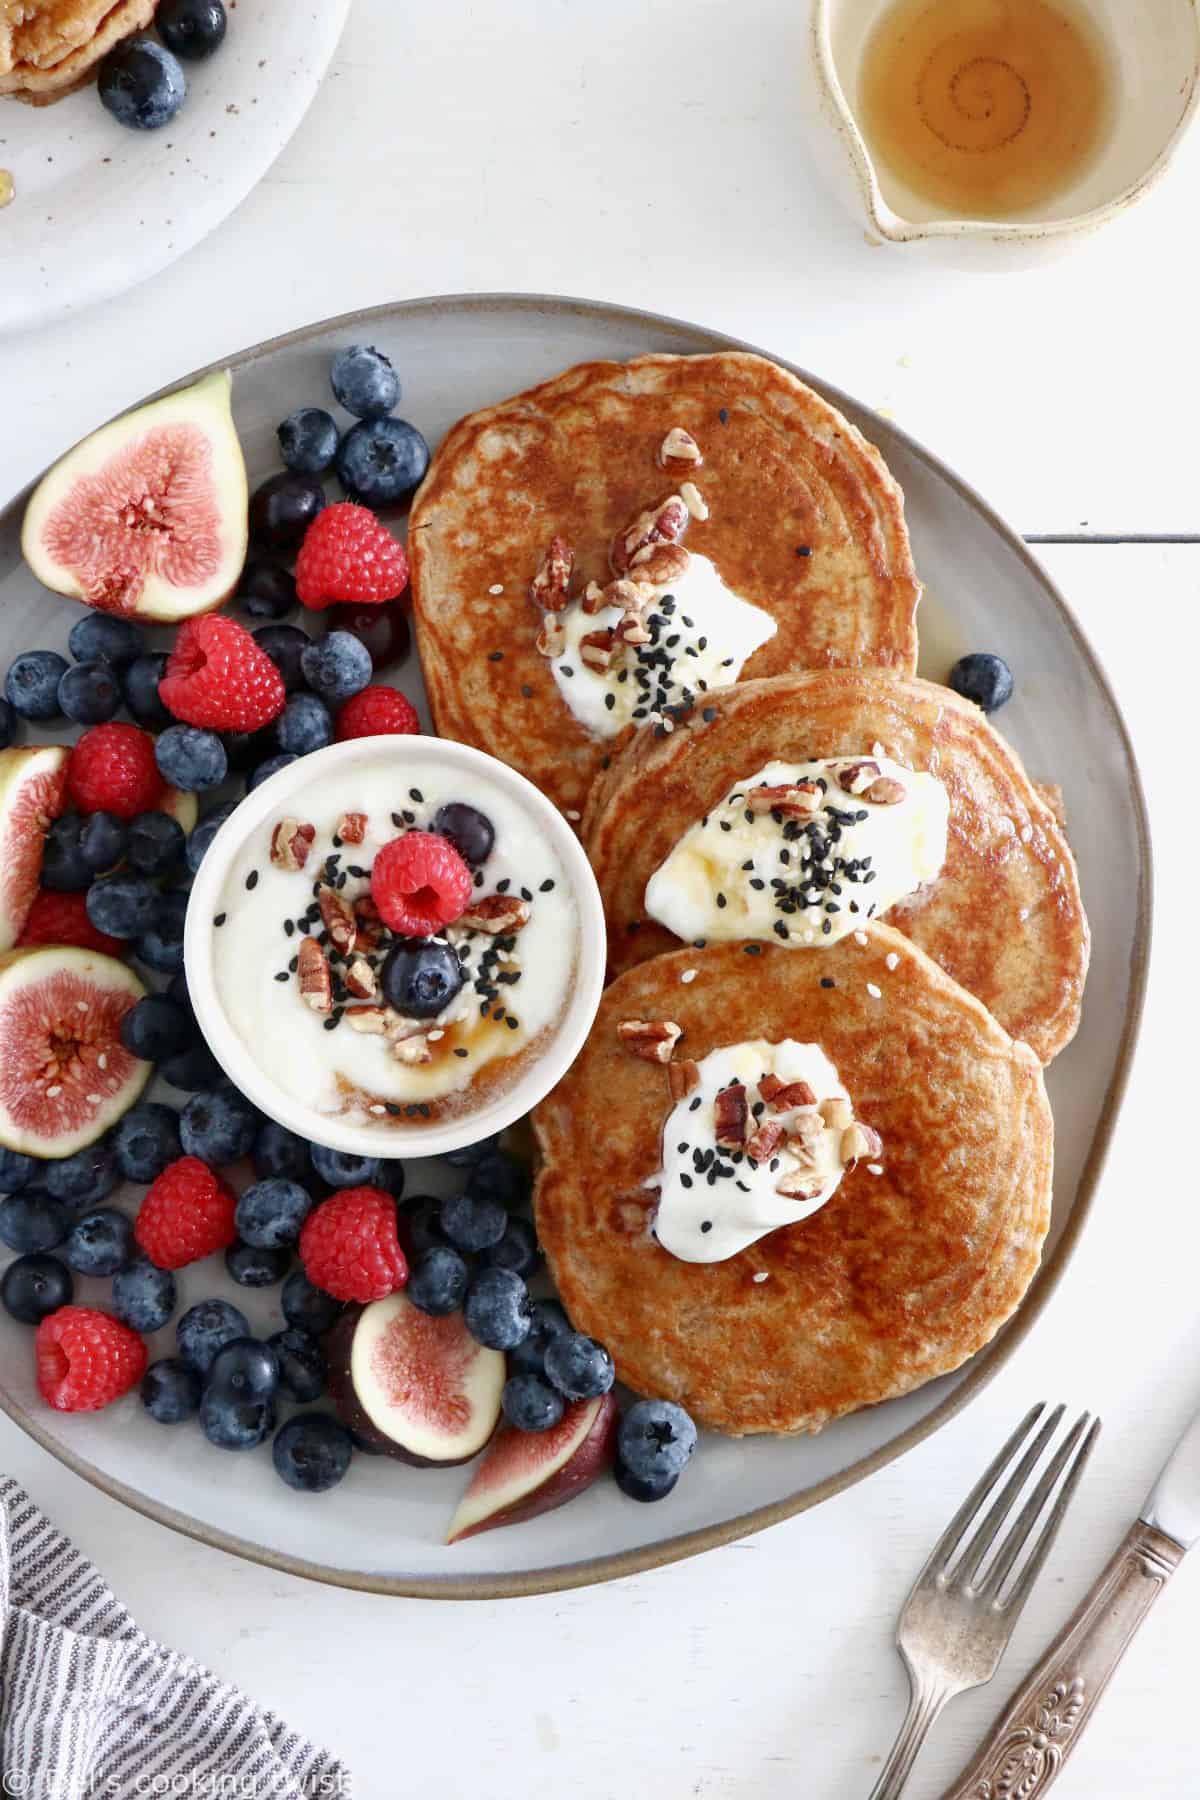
point(746, 873)
point(714, 1199)
point(701, 635)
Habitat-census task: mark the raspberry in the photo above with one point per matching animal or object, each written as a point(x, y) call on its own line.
point(376, 712)
point(86, 1359)
point(420, 883)
point(112, 769)
point(349, 1246)
point(348, 556)
point(56, 918)
point(188, 1212)
point(219, 677)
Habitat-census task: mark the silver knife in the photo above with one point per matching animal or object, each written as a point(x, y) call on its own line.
point(1032, 1740)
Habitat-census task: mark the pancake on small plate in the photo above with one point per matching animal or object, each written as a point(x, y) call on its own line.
point(48, 48)
point(862, 1094)
point(927, 819)
point(608, 546)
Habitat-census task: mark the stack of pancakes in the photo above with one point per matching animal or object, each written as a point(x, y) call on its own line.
point(939, 1015)
point(48, 48)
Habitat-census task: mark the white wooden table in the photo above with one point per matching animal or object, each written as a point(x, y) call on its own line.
point(653, 155)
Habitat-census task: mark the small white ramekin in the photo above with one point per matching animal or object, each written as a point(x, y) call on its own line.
point(396, 1140)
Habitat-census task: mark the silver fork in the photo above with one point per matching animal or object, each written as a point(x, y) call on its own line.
point(956, 1624)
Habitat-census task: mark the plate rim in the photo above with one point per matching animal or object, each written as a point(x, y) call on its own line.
point(561, 1577)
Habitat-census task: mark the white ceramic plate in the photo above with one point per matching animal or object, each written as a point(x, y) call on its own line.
point(382, 1528)
point(99, 208)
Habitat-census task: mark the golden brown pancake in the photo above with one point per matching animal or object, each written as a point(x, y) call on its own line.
point(55, 45)
point(1005, 916)
point(783, 473)
point(900, 1277)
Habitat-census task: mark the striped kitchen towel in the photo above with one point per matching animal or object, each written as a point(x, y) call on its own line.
point(91, 1707)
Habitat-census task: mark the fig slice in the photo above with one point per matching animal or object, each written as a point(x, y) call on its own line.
point(419, 1388)
point(526, 1473)
point(149, 514)
point(181, 806)
point(33, 783)
point(65, 1075)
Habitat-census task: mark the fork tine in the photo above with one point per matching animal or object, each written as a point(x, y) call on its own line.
point(945, 1547)
point(1000, 1508)
point(1027, 1518)
point(1041, 1549)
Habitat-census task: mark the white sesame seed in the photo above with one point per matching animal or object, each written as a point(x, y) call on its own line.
point(689, 975)
point(497, 587)
point(892, 960)
point(762, 1275)
point(435, 1034)
point(874, 992)
point(569, 812)
point(1026, 834)
point(52, 1093)
point(379, 1109)
point(102, 1061)
point(860, 937)
point(93, 1099)
point(82, 1005)
point(875, 1168)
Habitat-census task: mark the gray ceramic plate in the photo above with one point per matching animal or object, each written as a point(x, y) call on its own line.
point(383, 1527)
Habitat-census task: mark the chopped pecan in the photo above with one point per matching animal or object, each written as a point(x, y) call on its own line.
point(781, 1096)
point(372, 1021)
point(593, 600)
point(368, 923)
point(762, 1144)
point(661, 564)
point(805, 1130)
point(856, 777)
point(731, 1114)
point(662, 524)
point(316, 983)
point(885, 791)
point(412, 1050)
point(633, 629)
point(679, 446)
point(837, 1113)
point(337, 916)
point(858, 1140)
point(360, 979)
point(352, 827)
point(682, 1078)
point(496, 913)
point(548, 589)
point(630, 595)
point(597, 649)
point(654, 1040)
point(799, 1184)
point(790, 799)
point(291, 842)
point(694, 500)
point(551, 639)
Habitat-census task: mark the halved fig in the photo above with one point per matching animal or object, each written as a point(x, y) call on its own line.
point(33, 782)
point(65, 1075)
point(526, 1473)
point(417, 1387)
point(149, 514)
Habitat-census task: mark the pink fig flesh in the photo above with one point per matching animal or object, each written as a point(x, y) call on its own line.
point(526, 1473)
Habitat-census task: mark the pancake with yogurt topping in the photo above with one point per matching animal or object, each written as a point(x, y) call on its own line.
point(797, 555)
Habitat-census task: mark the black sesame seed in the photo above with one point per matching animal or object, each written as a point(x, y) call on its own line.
point(511, 1022)
point(220, 919)
point(389, 1106)
point(459, 1051)
point(526, 896)
point(283, 975)
point(397, 821)
point(753, 949)
point(685, 1181)
point(723, 415)
point(827, 981)
point(693, 1104)
point(417, 795)
point(294, 964)
point(546, 885)
point(721, 900)
point(803, 550)
point(496, 656)
point(526, 691)
point(706, 1224)
point(565, 669)
point(252, 880)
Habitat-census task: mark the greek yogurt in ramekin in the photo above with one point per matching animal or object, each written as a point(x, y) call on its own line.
point(345, 1069)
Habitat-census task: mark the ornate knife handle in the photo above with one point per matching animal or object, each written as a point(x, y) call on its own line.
point(1033, 1738)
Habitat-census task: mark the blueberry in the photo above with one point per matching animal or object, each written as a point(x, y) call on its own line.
point(437, 1282)
point(390, 1177)
point(171, 1391)
point(31, 685)
point(125, 906)
point(194, 1070)
point(139, 684)
point(656, 1440)
point(272, 766)
point(231, 1423)
point(155, 1028)
point(303, 725)
point(285, 645)
point(420, 1224)
point(473, 1221)
point(191, 758)
point(270, 1214)
point(33, 1221)
point(578, 1366)
point(204, 834)
point(100, 637)
point(85, 1178)
point(498, 1309)
point(308, 440)
point(983, 678)
point(147, 1138)
point(253, 1267)
point(302, 1369)
point(143, 1296)
point(336, 666)
point(89, 693)
point(35, 1286)
point(638, 1488)
point(547, 1321)
point(309, 1307)
point(517, 1249)
point(142, 84)
point(193, 29)
point(470, 831)
point(100, 1243)
point(64, 866)
point(206, 1328)
point(104, 841)
point(364, 381)
point(161, 947)
point(421, 977)
point(340, 1169)
point(382, 461)
point(279, 1152)
point(16, 1171)
point(283, 508)
point(312, 1452)
point(467, 1155)
point(244, 1369)
point(218, 1127)
point(155, 842)
point(246, 749)
point(383, 630)
point(8, 724)
point(501, 1177)
point(177, 990)
point(267, 590)
point(530, 1403)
